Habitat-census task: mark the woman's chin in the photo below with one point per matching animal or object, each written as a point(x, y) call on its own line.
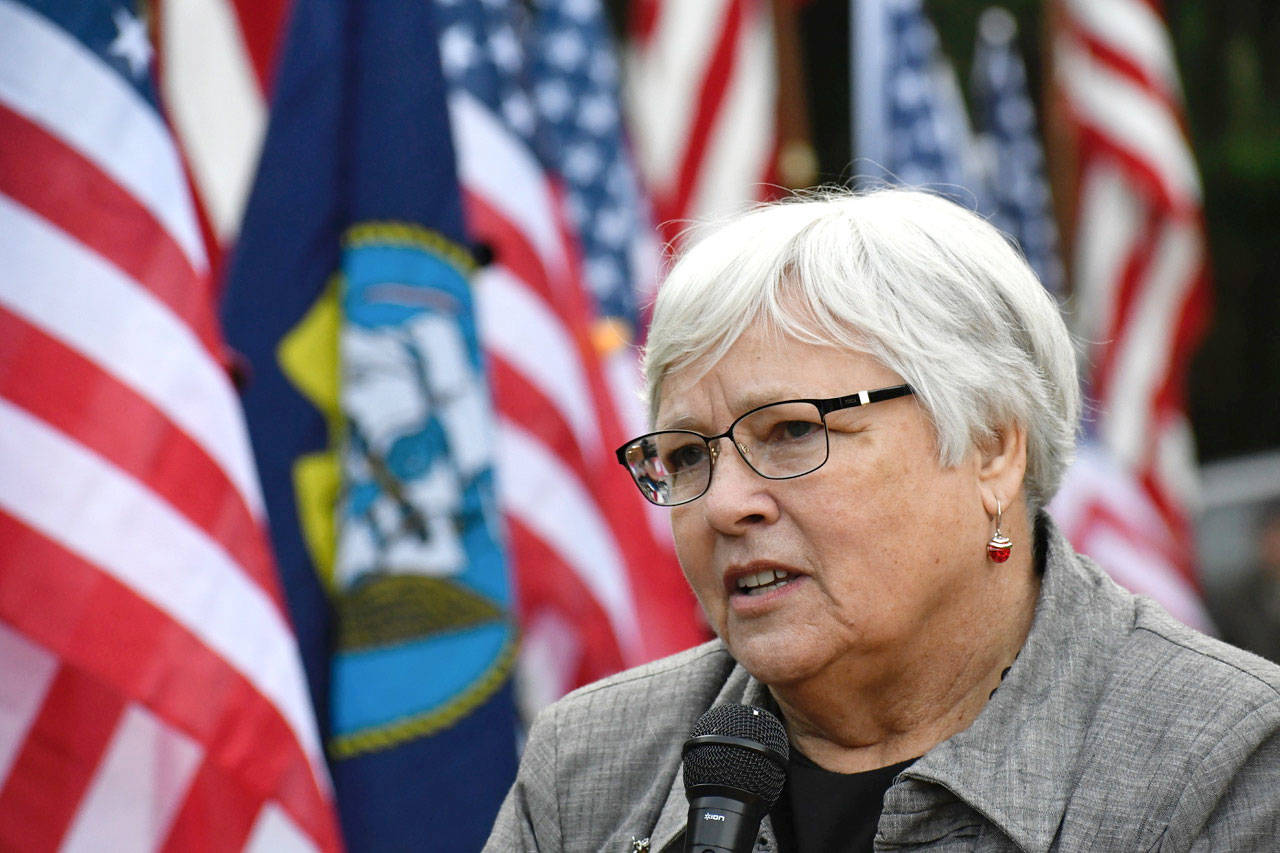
point(778, 658)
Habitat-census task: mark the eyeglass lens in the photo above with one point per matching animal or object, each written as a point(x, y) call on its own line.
point(778, 441)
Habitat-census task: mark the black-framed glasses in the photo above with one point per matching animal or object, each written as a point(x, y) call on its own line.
point(778, 441)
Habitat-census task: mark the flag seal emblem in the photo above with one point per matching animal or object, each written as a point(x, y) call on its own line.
point(419, 579)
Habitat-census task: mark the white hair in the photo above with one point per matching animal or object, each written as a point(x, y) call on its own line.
point(930, 290)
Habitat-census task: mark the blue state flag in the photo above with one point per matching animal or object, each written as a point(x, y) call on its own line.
point(349, 297)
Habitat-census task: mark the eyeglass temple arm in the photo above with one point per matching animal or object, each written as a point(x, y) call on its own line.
point(863, 398)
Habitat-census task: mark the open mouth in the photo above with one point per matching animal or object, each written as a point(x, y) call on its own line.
point(762, 582)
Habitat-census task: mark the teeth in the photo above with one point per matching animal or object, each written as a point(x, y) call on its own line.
point(757, 583)
point(761, 590)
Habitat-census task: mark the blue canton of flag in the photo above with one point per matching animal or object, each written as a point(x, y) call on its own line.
point(574, 77)
point(113, 33)
point(1017, 191)
point(482, 54)
point(910, 125)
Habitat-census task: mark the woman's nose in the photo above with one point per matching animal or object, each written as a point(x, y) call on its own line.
point(737, 496)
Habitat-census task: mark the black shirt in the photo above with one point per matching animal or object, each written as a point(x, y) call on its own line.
point(824, 811)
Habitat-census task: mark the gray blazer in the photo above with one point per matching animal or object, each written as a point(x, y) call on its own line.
point(1117, 729)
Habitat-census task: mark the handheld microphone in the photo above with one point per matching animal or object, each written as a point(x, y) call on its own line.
point(735, 764)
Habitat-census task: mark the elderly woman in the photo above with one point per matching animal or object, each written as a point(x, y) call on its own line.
point(861, 405)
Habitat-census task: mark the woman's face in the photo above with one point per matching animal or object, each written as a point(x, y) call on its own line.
point(882, 549)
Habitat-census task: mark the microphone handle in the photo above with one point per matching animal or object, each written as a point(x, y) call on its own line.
point(722, 824)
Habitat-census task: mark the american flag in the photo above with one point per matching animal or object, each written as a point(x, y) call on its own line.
point(574, 80)
point(1017, 189)
point(215, 63)
point(573, 73)
point(909, 121)
point(1139, 270)
point(597, 590)
point(701, 92)
point(151, 693)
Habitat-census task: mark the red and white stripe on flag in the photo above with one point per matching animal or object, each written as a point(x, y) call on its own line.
point(597, 590)
point(215, 66)
point(701, 94)
point(151, 692)
point(1139, 274)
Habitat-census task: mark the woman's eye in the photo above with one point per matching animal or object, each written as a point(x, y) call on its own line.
point(686, 457)
point(792, 430)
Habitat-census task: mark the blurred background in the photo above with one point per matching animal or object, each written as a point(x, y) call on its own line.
point(320, 320)
point(1231, 81)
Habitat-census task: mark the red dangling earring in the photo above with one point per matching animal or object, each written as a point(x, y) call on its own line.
point(999, 547)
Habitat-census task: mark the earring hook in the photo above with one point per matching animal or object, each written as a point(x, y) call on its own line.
point(999, 546)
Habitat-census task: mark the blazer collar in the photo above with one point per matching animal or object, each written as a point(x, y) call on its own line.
point(1012, 765)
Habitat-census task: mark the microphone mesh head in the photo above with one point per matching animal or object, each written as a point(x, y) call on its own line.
point(734, 766)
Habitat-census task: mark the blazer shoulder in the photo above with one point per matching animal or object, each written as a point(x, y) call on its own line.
point(1175, 702)
point(668, 689)
point(1174, 724)
point(1212, 677)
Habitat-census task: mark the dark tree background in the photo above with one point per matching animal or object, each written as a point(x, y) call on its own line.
point(1229, 54)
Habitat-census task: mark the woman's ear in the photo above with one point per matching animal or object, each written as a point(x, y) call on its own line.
point(1002, 464)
